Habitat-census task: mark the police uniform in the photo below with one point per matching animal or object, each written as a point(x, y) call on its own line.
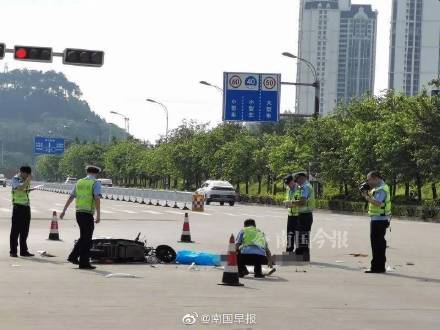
point(380, 221)
point(85, 192)
point(21, 217)
point(305, 221)
point(292, 217)
point(252, 250)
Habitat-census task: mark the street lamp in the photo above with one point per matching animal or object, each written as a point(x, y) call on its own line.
point(316, 84)
point(166, 113)
point(126, 121)
point(211, 85)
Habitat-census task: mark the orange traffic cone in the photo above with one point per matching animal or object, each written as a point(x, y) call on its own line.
point(54, 235)
point(230, 274)
point(186, 234)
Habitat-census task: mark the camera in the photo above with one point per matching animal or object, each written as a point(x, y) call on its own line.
point(364, 187)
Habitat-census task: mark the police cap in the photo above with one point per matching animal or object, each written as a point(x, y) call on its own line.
point(93, 169)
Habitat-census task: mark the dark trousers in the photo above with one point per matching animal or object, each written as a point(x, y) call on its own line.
point(378, 244)
point(21, 220)
point(292, 227)
point(305, 221)
point(255, 260)
point(84, 243)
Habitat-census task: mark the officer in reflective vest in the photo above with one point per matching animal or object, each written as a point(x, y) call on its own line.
point(292, 194)
point(252, 249)
point(306, 205)
point(379, 210)
point(87, 193)
point(21, 212)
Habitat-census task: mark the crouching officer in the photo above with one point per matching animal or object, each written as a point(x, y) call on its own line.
point(252, 249)
point(292, 194)
point(21, 212)
point(87, 193)
point(306, 205)
point(379, 210)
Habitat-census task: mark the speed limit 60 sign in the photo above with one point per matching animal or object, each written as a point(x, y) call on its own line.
point(251, 97)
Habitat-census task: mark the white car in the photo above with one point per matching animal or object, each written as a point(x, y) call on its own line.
point(218, 191)
point(106, 182)
point(70, 180)
point(2, 180)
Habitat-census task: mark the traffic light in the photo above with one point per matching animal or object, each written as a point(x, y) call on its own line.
point(83, 57)
point(35, 54)
point(2, 50)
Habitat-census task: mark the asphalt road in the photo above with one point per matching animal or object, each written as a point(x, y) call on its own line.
point(330, 293)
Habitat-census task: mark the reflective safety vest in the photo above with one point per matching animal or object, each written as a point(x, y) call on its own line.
point(85, 201)
point(21, 197)
point(253, 236)
point(310, 203)
point(293, 196)
point(374, 210)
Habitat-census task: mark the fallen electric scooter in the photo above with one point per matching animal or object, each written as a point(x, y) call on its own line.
point(119, 250)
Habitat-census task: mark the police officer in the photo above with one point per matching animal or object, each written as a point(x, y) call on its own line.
point(292, 194)
point(21, 212)
point(87, 193)
point(306, 205)
point(379, 210)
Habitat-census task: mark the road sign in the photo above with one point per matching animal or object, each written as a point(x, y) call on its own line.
point(251, 97)
point(48, 146)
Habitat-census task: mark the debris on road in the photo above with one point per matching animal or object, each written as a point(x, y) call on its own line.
point(356, 255)
point(45, 254)
point(390, 269)
point(121, 275)
point(410, 264)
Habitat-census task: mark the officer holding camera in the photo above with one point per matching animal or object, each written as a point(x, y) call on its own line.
point(377, 193)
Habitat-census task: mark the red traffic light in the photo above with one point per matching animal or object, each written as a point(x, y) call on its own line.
point(83, 57)
point(35, 54)
point(21, 53)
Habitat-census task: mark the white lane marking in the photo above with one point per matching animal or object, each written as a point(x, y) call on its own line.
point(3, 209)
point(129, 212)
point(175, 212)
point(59, 204)
point(232, 215)
point(151, 212)
point(201, 213)
point(35, 210)
point(107, 212)
point(6, 199)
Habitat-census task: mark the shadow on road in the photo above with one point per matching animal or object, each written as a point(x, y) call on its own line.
point(343, 267)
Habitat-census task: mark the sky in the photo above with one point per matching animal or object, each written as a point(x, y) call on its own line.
point(161, 49)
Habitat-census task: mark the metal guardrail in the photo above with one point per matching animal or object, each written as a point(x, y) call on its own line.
point(134, 195)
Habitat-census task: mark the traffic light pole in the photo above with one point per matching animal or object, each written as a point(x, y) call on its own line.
point(317, 87)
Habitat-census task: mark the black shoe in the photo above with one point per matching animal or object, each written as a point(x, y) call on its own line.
point(89, 266)
point(73, 260)
point(259, 276)
point(243, 274)
point(13, 255)
point(27, 254)
point(372, 271)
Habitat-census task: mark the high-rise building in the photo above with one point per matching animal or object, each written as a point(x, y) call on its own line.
point(339, 39)
point(415, 45)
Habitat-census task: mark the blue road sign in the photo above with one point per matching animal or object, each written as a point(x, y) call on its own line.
point(251, 97)
point(48, 146)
